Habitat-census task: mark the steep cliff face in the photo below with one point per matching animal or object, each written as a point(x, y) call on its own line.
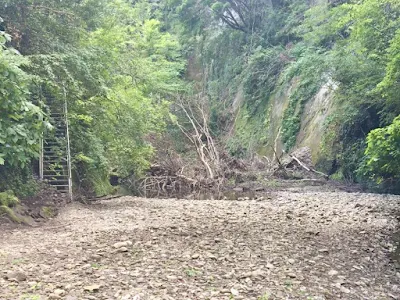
point(270, 85)
point(315, 113)
point(277, 106)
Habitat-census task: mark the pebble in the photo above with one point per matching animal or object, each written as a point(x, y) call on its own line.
point(234, 292)
point(92, 288)
point(16, 276)
point(122, 249)
point(59, 292)
point(122, 244)
point(332, 272)
point(345, 290)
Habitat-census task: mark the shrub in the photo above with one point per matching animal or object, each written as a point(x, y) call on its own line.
point(8, 199)
point(382, 156)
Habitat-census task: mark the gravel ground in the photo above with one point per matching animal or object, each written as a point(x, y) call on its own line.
point(289, 246)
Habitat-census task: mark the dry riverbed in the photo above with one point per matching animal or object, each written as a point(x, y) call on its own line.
point(308, 245)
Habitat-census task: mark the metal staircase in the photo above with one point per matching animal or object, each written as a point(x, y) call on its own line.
point(55, 158)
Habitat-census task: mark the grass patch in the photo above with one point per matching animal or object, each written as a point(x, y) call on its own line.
point(30, 297)
point(8, 199)
point(264, 297)
point(7, 211)
point(191, 272)
point(18, 261)
point(95, 266)
point(288, 284)
point(48, 211)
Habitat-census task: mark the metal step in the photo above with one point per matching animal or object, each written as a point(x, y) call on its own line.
point(55, 183)
point(58, 159)
point(50, 149)
point(55, 159)
point(55, 176)
point(53, 144)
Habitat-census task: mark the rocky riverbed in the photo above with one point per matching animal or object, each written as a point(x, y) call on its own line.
point(289, 245)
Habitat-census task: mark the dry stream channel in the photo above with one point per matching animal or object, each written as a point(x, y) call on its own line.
point(289, 245)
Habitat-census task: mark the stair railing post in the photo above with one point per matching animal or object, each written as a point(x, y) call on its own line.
point(41, 145)
point(41, 160)
point(68, 146)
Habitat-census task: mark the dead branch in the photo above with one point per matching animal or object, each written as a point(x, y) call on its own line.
point(52, 10)
point(198, 119)
point(300, 163)
point(194, 182)
point(280, 165)
point(307, 168)
point(276, 143)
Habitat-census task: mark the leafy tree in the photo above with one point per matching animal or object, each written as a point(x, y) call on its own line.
point(382, 156)
point(114, 64)
point(21, 121)
point(359, 38)
point(49, 26)
point(390, 85)
point(142, 66)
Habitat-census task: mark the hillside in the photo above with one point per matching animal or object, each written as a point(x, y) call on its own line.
point(99, 96)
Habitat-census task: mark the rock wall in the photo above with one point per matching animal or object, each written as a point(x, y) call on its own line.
point(314, 116)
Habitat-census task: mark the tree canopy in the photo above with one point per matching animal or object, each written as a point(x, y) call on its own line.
point(121, 65)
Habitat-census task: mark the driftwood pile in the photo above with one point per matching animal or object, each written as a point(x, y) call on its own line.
point(160, 181)
point(173, 177)
point(300, 162)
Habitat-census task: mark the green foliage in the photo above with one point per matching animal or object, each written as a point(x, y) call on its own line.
point(30, 297)
point(351, 45)
point(264, 297)
point(308, 74)
point(361, 41)
point(19, 180)
point(261, 76)
point(246, 48)
point(143, 66)
point(119, 64)
point(112, 61)
point(48, 211)
point(250, 133)
point(382, 160)
point(8, 199)
point(390, 85)
point(10, 214)
point(49, 26)
point(21, 122)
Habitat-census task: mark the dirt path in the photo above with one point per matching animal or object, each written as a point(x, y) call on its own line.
point(292, 246)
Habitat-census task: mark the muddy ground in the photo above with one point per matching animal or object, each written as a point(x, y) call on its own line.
point(289, 245)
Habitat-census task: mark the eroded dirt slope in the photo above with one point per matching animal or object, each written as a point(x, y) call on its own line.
point(292, 246)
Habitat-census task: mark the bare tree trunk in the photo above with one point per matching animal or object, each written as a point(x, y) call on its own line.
point(199, 135)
